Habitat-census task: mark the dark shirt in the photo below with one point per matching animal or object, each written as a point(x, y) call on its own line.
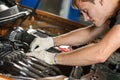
point(115, 20)
point(118, 18)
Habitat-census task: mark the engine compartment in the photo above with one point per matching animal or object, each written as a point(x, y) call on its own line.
point(15, 41)
point(13, 62)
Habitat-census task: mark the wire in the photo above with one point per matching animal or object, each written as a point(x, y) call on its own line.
point(26, 12)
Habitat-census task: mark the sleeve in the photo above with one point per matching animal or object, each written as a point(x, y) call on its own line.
point(115, 20)
point(118, 18)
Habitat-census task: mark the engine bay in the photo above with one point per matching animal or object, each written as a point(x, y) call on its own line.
point(17, 23)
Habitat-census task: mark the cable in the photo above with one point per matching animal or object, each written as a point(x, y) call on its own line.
point(26, 12)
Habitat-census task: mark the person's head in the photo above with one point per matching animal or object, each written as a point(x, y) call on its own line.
point(96, 11)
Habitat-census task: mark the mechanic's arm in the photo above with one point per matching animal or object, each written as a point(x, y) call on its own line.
point(91, 54)
point(80, 36)
point(73, 38)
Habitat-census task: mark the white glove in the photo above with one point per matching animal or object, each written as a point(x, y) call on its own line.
point(41, 43)
point(43, 55)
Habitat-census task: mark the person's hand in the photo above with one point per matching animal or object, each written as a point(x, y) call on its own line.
point(39, 43)
point(43, 55)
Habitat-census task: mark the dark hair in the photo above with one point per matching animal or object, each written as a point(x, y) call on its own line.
point(74, 2)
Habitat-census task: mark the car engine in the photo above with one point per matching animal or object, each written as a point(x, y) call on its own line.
point(17, 24)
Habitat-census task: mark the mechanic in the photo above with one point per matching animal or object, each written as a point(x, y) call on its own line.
point(103, 14)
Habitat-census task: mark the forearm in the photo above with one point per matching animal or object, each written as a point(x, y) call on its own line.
point(80, 57)
point(79, 36)
point(76, 37)
point(88, 55)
